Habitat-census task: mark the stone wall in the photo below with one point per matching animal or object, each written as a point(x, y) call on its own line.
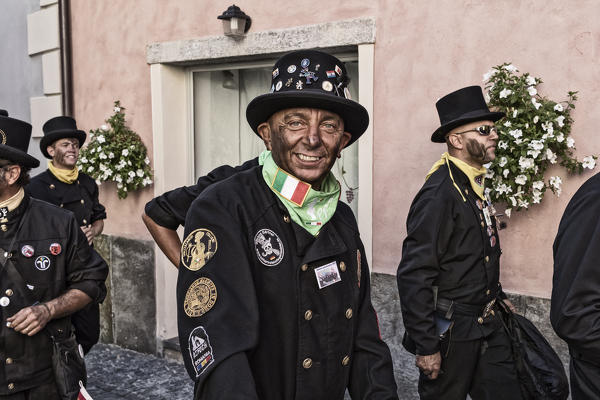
point(128, 315)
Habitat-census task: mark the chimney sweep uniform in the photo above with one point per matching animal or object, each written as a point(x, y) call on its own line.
point(43, 254)
point(77, 193)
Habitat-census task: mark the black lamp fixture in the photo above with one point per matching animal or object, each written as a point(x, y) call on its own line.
point(235, 22)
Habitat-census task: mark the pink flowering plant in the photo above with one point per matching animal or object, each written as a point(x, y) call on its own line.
point(116, 153)
point(534, 135)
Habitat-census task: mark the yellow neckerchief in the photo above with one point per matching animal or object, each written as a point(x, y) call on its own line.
point(476, 175)
point(14, 201)
point(64, 175)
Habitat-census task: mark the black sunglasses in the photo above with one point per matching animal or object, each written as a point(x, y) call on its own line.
point(483, 130)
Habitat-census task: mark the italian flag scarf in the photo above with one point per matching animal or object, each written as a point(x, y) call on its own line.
point(309, 208)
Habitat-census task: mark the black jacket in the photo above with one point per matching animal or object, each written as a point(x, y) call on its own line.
point(80, 197)
point(262, 328)
point(35, 273)
point(449, 245)
point(575, 304)
point(169, 209)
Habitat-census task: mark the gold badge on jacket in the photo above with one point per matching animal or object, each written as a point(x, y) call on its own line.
point(198, 248)
point(200, 297)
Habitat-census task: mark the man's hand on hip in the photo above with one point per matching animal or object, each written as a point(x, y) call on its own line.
point(430, 365)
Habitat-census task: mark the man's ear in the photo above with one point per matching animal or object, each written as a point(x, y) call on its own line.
point(14, 173)
point(50, 150)
point(455, 141)
point(264, 130)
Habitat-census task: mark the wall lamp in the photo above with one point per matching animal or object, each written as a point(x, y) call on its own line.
point(235, 22)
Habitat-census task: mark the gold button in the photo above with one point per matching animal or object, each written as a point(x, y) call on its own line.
point(9, 292)
point(82, 201)
point(487, 258)
point(467, 191)
point(482, 224)
point(9, 360)
point(11, 386)
point(85, 221)
point(342, 266)
point(487, 292)
point(4, 228)
point(52, 186)
point(286, 219)
point(304, 267)
point(308, 315)
point(492, 312)
point(62, 205)
point(480, 320)
point(307, 363)
point(349, 313)
point(346, 360)
point(78, 181)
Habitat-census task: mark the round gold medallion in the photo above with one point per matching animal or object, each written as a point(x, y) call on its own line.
point(200, 297)
point(198, 248)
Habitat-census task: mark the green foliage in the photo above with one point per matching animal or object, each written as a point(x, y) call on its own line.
point(533, 136)
point(116, 153)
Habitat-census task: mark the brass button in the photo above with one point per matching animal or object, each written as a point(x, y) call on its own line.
point(82, 201)
point(345, 360)
point(487, 258)
point(487, 292)
point(52, 186)
point(62, 205)
point(304, 267)
point(308, 315)
point(307, 363)
point(9, 292)
point(9, 360)
point(11, 386)
point(480, 320)
point(349, 313)
point(286, 219)
point(4, 228)
point(78, 181)
point(85, 221)
point(342, 266)
point(492, 312)
point(467, 191)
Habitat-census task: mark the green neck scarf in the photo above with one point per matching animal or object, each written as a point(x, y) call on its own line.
point(309, 208)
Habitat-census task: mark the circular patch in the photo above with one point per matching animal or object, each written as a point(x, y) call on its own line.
point(305, 62)
point(493, 241)
point(200, 297)
point(55, 249)
point(198, 248)
point(291, 69)
point(42, 263)
point(278, 86)
point(27, 251)
point(4, 301)
point(268, 246)
point(326, 85)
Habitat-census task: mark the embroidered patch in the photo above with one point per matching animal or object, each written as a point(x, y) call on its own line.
point(42, 263)
point(269, 248)
point(201, 352)
point(305, 63)
point(338, 70)
point(3, 212)
point(278, 86)
point(486, 214)
point(358, 266)
point(200, 297)
point(327, 275)
point(479, 180)
point(326, 85)
point(275, 73)
point(55, 249)
point(291, 69)
point(27, 250)
point(198, 248)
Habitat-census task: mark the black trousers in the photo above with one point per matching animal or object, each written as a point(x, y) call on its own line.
point(482, 368)
point(47, 391)
point(87, 326)
point(585, 379)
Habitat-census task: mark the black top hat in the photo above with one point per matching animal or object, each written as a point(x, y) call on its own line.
point(60, 128)
point(310, 78)
point(14, 141)
point(461, 107)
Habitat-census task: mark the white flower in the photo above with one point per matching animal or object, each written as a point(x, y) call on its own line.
point(589, 162)
point(98, 182)
point(104, 128)
point(537, 197)
point(510, 68)
point(548, 127)
point(147, 161)
point(129, 162)
point(131, 174)
point(523, 203)
point(83, 160)
point(101, 139)
point(489, 174)
point(514, 113)
point(538, 185)
point(530, 80)
point(139, 173)
point(92, 150)
point(111, 155)
point(108, 172)
point(561, 121)
point(558, 107)
point(119, 185)
point(502, 144)
point(504, 93)
point(550, 156)
point(102, 167)
point(503, 189)
point(125, 152)
point(570, 142)
point(536, 145)
point(532, 91)
point(129, 180)
point(535, 103)
point(555, 181)
point(505, 173)
point(503, 161)
point(507, 212)
point(560, 137)
point(521, 179)
point(90, 168)
point(488, 75)
point(536, 119)
point(516, 133)
point(118, 179)
point(513, 201)
point(102, 156)
point(533, 153)
point(507, 124)
point(526, 163)
point(117, 109)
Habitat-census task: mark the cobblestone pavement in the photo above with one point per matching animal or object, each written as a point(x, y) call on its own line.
point(115, 373)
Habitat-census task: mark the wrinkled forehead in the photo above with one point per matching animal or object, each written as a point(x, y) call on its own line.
point(305, 113)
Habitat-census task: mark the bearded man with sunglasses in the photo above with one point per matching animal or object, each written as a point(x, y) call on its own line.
point(273, 292)
point(448, 277)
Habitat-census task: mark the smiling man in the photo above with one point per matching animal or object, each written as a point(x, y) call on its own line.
point(273, 291)
point(448, 278)
point(63, 185)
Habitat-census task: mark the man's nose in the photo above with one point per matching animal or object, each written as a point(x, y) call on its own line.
point(313, 136)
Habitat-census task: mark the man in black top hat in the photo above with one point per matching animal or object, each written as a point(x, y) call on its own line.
point(273, 293)
point(62, 184)
point(47, 272)
point(448, 277)
point(575, 303)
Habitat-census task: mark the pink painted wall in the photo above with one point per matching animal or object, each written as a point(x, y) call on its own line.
point(423, 51)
